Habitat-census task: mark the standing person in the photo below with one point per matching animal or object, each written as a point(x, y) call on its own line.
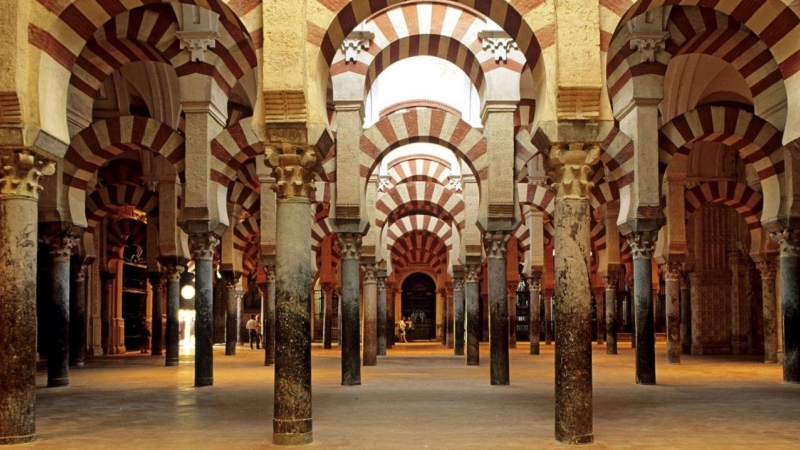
point(401, 328)
point(260, 337)
point(252, 329)
point(144, 338)
point(409, 328)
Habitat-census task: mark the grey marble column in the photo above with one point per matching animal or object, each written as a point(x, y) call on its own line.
point(458, 314)
point(391, 320)
point(157, 330)
point(20, 172)
point(599, 299)
point(172, 273)
point(789, 241)
point(229, 280)
point(686, 316)
point(327, 326)
point(268, 327)
point(495, 243)
point(449, 318)
point(220, 310)
point(610, 282)
point(672, 276)
point(61, 239)
point(642, 245)
point(534, 322)
point(511, 291)
point(77, 317)
point(370, 315)
point(738, 336)
point(768, 272)
point(548, 318)
point(572, 273)
point(445, 323)
point(472, 306)
point(350, 244)
point(382, 322)
point(697, 312)
point(203, 246)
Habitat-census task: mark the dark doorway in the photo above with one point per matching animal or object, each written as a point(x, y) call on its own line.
point(419, 303)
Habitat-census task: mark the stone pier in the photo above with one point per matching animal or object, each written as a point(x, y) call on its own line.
point(472, 306)
point(642, 244)
point(495, 244)
point(573, 359)
point(686, 316)
point(20, 173)
point(203, 246)
point(350, 244)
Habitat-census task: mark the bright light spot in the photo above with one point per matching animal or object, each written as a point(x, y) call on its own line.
point(186, 326)
point(187, 292)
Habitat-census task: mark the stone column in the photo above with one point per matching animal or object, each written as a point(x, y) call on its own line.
point(370, 357)
point(61, 239)
point(350, 244)
point(534, 322)
point(686, 316)
point(77, 317)
point(495, 243)
point(445, 326)
point(268, 327)
point(642, 245)
point(229, 280)
point(157, 330)
point(789, 241)
point(458, 314)
point(473, 317)
point(599, 298)
point(768, 272)
point(738, 337)
point(610, 282)
point(327, 326)
point(239, 295)
point(548, 318)
point(572, 271)
point(172, 273)
point(449, 319)
point(220, 309)
point(294, 167)
point(511, 292)
point(696, 309)
point(203, 253)
point(390, 316)
point(672, 277)
point(382, 322)
point(20, 173)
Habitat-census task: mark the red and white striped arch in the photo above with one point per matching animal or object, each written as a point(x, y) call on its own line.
point(119, 233)
point(419, 247)
point(423, 196)
point(244, 196)
point(774, 22)
point(231, 148)
point(418, 222)
point(419, 168)
point(423, 125)
point(107, 200)
point(738, 196)
point(245, 231)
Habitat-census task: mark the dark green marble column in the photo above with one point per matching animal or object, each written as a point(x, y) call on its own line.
point(203, 246)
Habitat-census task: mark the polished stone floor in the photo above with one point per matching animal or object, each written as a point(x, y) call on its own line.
point(420, 396)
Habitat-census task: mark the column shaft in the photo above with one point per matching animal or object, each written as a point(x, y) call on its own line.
point(458, 316)
point(472, 305)
point(327, 327)
point(449, 319)
point(790, 298)
point(18, 253)
point(642, 247)
point(172, 272)
point(672, 276)
point(768, 272)
point(610, 281)
point(391, 320)
point(382, 313)
point(548, 319)
point(61, 244)
point(534, 323)
point(203, 249)
point(686, 316)
point(599, 299)
point(370, 316)
point(348, 307)
point(231, 314)
point(268, 328)
point(157, 331)
point(77, 317)
point(495, 243)
point(511, 289)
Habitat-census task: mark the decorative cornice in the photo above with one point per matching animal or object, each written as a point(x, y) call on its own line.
point(20, 173)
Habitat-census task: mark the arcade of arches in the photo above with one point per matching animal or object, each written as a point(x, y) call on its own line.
point(522, 173)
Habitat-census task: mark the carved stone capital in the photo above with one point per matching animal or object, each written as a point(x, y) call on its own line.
point(642, 244)
point(610, 280)
point(571, 166)
point(354, 43)
point(458, 284)
point(471, 273)
point(498, 43)
point(80, 274)
point(172, 271)
point(672, 271)
point(203, 245)
point(535, 282)
point(789, 241)
point(61, 239)
point(370, 272)
point(768, 269)
point(269, 271)
point(294, 167)
point(20, 172)
point(381, 282)
point(495, 243)
point(350, 245)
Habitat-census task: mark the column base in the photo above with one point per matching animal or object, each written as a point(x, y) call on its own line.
point(10, 440)
point(284, 435)
point(203, 382)
point(157, 353)
point(172, 362)
point(58, 382)
point(611, 350)
point(585, 439)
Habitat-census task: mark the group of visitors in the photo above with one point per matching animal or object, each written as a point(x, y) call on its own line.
point(404, 327)
point(253, 327)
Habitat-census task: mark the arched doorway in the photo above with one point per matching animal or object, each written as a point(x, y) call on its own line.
point(419, 303)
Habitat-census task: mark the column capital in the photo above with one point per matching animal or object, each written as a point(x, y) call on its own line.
point(448, 289)
point(471, 273)
point(642, 243)
point(20, 173)
point(767, 268)
point(370, 272)
point(571, 168)
point(495, 243)
point(350, 245)
point(789, 241)
point(327, 289)
point(672, 271)
point(60, 238)
point(535, 282)
point(458, 284)
point(172, 270)
point(511, 287)
point(294, 167)
point(203, 245)
point(610, 280)
point(80, 274)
